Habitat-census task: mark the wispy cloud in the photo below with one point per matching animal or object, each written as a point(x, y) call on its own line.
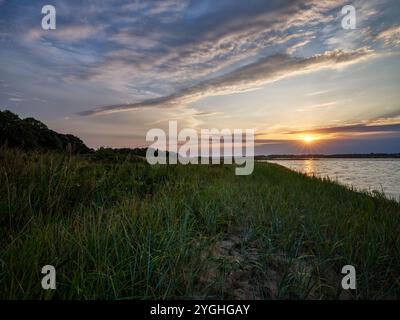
point(249, 77)
point(14, 99)
point(324, 105)
point(360, 128)
point(69, 33)
point(390, 36)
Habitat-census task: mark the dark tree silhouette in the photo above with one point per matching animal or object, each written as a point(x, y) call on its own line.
point(30, 134)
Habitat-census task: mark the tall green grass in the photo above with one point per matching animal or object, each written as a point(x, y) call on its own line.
point(120, 230)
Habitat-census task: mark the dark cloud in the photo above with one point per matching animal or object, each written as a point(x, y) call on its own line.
point(357, 128)
point(333, 146)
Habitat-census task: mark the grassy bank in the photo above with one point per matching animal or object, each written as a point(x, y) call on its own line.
point(125, 229)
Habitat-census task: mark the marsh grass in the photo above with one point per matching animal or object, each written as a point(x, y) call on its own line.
point(124, 229)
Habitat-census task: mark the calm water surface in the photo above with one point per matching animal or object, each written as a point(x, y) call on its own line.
point(363, 174)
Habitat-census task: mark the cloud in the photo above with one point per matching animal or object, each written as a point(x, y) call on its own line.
point(205, 39)
point(356, 128)
point(63, 33)
point(316, 93)
point(137, 47)
point(17, 99)
point(323, 106)
point(249, 77)
point(206, 114)
point(390, 36)
point(298, 45)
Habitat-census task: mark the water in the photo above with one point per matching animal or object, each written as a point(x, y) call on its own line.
point(363, 174)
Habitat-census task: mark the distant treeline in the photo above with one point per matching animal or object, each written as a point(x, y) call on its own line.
point(329, 156)
point(123, 154)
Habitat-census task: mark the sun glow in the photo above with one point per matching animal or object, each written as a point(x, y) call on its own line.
point(309, 139)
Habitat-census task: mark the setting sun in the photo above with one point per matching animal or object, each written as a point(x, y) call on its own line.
point(309, 139)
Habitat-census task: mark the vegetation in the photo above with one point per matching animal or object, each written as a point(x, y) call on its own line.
point(31, 134)
point(124, 229)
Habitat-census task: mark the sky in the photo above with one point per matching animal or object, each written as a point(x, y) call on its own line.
point(112, 70)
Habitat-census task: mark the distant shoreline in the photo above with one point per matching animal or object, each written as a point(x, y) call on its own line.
point(331, 156)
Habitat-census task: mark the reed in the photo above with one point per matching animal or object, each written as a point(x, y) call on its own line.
point(125, 229)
